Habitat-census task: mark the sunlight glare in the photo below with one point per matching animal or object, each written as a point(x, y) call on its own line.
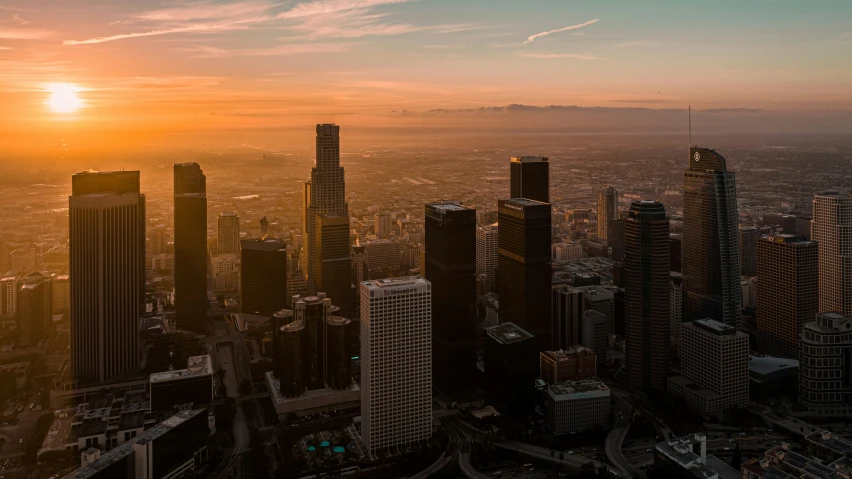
point(63, 98)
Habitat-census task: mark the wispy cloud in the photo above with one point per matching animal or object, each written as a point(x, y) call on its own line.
point(22, 33)
point(318, 7)
point(5, 48)
point(573, 56)
point(535, 37)
point(16, 19)
point(206, 11)
point(195, 28)
point(357, 24)
point(200, 51)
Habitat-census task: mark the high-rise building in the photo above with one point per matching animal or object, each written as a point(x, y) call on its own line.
point(228, 233)
point(396, 363)
point(328, 240)
point(825, 378)
point(530, 178)
point(511, 362)
point(107, 272)
point(61, 294)
point(523, 281)
point(711, 266)
point(566, 316)
point(382, 254)
point(360, 267)
point(646, 278)
point(788, 278)
point(264, 227)
point(595, 335)
point(714, 368)
point(748, 236)
point(159, 241)
point(190, 247)
point(602, 300)
point(451, 254)
point(35, 310)
point(831, 228)
point(263, 277)
point(9, 287)
point(486, 255)
point(617, 240)
point(607, 214)
point(567, 251)
point(382, 225)
point(675, 310)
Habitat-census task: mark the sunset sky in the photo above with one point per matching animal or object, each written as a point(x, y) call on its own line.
point(255, 63)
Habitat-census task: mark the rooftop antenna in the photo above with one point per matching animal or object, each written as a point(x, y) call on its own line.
point(690, 126)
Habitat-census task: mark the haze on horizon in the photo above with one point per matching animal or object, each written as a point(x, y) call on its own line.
point(136, 72)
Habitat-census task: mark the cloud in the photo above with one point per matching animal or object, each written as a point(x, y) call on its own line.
point(318, 7)
point(535, 37)
point(357, 24)
point(22, 34)
point(195, 28)
point(639, 43)
point(5, 48)
point(16, 19)
point(575, 56)
point(200, 51)
point(206, 11)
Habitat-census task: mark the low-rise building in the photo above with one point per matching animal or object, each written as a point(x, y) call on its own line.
point(177, 388)
point(578, 406)
point(572, 364)
point(686, 457)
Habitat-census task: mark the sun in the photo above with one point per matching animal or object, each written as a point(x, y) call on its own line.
point(63, 98)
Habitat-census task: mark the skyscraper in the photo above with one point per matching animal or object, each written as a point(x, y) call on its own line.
point(711, 267)
point(831, 228)
point(607, 214)
point(567, 307)
point(328, 238)
point(646, 288)
point(825, 378)
point(107, 272)
point(228, 233)
point(451, 254)
point(396, 362)
point(190, 247)
point(748, 250)
point(530, 178)
point(35, 311)
point(263, 277)
point(523, 282)
point(788, 278)
point(382, 225)
point(486, 255)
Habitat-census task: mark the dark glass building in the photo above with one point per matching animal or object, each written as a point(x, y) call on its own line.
point(289, 348)
point(451, 258)
point(646, 290)
point(607, 213)
point(263, 277)
point(107, 272)
point(339, 352)
point(711, 265)
point(511, 366)
point(523, 281)
point(530, 178)
point(333, 264)
point(190, 247)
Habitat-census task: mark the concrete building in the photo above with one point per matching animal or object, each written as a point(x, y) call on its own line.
point(787, 292)
point(178, 388)
point(714, 367)
point(578, 406)
point(9, 287)
point(572, 364)
point(382, 226)
point(228, 233)
point(646, 287)
point(530, 178)
point(360, 267)
point(396, 363)
point(61, 294)
point(825, 383)
point(772, 378)
point(711, 263)
point(686, 458)
point(383, 254)
point(486, 255)
point(107, 272)
point(567, 251)
point(831, 228)
point(35, 310)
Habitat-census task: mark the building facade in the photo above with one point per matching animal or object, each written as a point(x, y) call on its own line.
point(530, 178)
point(396, 363)
point(607, 213)
point(263, 277)
point(35, 309)
point(831, 228)
point(486, 255)
point(107, 273)
point(787, 292)
point(228, 233)
point(711, 266)
point(578, 406)
point(451, 269)
point(646, 289)
point(748, 236)
point(190, 185)
point(825, 382)
point(572, 364)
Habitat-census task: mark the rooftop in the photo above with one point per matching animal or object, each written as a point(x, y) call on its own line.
point(835, 444)
point(788, 239)
point(529, 159)
point(508, 333)
point(196, 366)
point(395, 282)
point(269, 244)
point(578, 390)
point(765, 365)
point(681, 452)
point(522, 202)
point(714, 326)
point(448, 206)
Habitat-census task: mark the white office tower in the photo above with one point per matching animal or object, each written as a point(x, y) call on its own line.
point(396, 363)
point(486, 255)
point(229, 233)
point(831, 228)
point(567, 251)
